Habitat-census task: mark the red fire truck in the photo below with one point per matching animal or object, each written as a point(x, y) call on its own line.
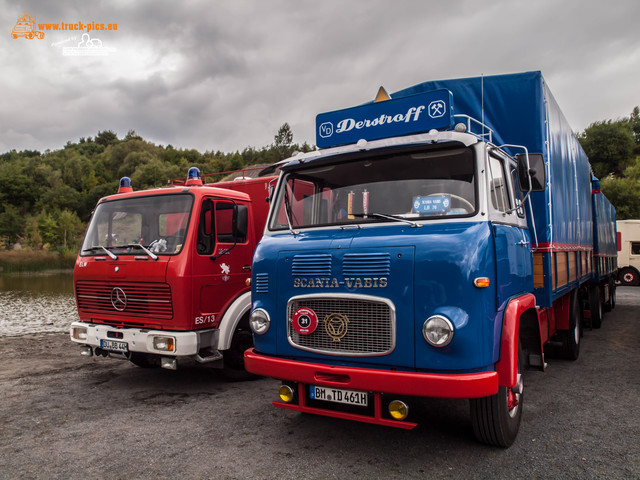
point(164, 274)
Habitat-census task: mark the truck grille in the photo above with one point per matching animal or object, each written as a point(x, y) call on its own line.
point(350, 325)
point(139, 299)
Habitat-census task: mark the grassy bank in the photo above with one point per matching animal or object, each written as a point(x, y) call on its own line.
point(29, 261)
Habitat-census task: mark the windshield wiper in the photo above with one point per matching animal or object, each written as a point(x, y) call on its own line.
point(100, 247)
point(388, 217)
point(144, 249)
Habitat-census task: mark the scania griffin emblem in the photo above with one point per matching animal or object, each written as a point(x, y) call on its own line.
point(336, 326)
point(118, 299)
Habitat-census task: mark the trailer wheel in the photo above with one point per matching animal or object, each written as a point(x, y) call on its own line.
point(595, 306)
point(571, 338)
point(613, 294)
point(629, 277)
point(496, 419)
point(610, 304)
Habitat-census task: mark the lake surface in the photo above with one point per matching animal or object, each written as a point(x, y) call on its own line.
point(36, 303)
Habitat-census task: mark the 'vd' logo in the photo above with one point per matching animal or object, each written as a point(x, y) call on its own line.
point(326, 129)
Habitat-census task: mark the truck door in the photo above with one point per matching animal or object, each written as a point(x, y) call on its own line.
point(222, 262)
point(514, 264)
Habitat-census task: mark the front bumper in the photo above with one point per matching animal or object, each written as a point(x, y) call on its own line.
point(139, 340)
point(379, 384)
point(463, 385)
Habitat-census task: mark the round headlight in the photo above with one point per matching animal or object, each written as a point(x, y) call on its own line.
point(259, 321)
point(438, 331)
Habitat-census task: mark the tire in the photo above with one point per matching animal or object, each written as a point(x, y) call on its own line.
point(143, 360)
point(629, 277)
point(595, 306)
point(234, 356)
point(613, 294)
point(570, 339)
point(496, 419)
point(610, 304)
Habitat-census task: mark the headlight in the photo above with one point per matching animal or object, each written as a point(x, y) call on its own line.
point(167, 344)
point(79, 333)
point(259, 321)
point(438, 331)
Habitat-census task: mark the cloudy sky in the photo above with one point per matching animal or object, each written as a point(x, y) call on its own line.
point(224, 75)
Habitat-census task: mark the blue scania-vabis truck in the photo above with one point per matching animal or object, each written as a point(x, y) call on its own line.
point(440, 242)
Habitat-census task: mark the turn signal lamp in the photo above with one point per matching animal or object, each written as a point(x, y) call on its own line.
point(286, 393)
point(482, 282)
point(79, 333)
point(193, 177)
point(125, 185)
point(398, 410)
point(166, 344)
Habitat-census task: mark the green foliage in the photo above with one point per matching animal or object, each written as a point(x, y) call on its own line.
point(609, 146)
point(46, 199)
point(11, 224)
point(613, 149)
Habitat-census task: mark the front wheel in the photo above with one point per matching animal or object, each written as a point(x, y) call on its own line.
point(234, 357)
point(496, 419)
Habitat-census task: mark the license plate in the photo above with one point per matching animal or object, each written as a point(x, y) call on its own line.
point(337, 395)
point(114, 346)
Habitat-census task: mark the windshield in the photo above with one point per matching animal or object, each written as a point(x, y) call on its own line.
point(158, 223)
point(416, 185)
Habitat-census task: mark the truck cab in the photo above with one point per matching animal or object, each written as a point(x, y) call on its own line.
point(164, 274)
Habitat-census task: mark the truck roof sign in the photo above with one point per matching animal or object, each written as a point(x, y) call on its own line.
point(390, 118)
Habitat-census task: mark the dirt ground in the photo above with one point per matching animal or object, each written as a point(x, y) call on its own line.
point(67, 416)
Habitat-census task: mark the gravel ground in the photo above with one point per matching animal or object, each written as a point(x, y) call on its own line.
point(66, 416)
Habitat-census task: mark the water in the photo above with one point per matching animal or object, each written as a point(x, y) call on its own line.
point(36, 303)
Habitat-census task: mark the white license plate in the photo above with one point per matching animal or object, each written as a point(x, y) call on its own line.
point(114, 346)
point(337, 395)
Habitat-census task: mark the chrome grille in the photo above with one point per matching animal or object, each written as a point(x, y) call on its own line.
point(143, 299)
point(370, 328)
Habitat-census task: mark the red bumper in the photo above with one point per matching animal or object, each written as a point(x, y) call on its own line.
point(465, 385)
point(468, 385)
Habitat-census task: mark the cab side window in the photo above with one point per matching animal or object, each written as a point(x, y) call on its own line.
point(206, 229)
point(499, 191)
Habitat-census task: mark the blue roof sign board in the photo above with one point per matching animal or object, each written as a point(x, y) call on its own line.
point(390, 118)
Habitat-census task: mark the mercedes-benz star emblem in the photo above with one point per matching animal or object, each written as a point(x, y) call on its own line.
point(118, 299)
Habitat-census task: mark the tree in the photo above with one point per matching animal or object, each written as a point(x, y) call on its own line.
point(12, 224)
point(283, 140)
point(106, 138)
point(634, 122)
point(609, 146)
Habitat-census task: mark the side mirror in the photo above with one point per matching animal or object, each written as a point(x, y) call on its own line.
point(531, 177)
point(241, 223)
